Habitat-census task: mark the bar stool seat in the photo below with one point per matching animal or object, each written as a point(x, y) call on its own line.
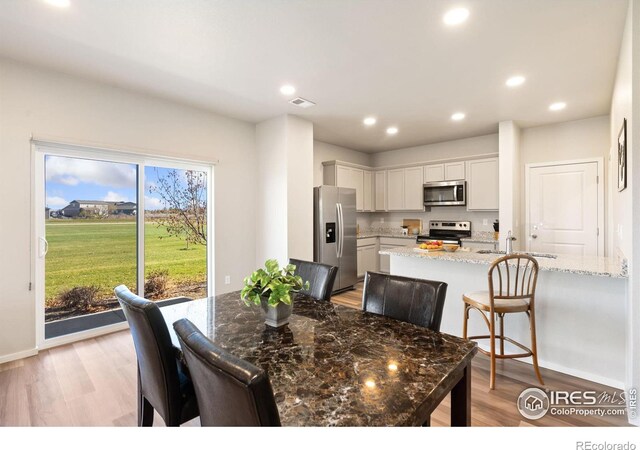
point(482, 300)
point(512, 286)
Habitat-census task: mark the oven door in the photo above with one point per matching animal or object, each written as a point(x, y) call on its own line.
point(445, 193)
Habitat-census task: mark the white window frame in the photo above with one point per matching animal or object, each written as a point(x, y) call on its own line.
point(39, 150)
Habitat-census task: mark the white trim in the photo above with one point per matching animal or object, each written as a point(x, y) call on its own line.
point(601, 197)
point(70, 144)
point(18, 355)
point(82, 335)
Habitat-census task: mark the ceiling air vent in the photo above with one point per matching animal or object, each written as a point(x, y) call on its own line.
point(301, 102)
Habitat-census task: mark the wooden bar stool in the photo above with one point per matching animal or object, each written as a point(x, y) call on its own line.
point(515, 276)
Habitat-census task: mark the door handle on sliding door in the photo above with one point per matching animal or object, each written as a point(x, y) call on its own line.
point(45, 249)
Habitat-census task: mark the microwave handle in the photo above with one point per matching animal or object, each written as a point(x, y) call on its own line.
point(455, 193)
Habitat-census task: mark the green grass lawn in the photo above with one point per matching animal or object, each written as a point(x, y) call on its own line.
point(104, 254)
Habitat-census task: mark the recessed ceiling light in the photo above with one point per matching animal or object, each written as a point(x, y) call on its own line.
point(456, 16)
point(392, 130)
point(59, 3)
point(458, 116)
point(557, 106)
point(287, 89)
point(515, 81)
point(369, 121)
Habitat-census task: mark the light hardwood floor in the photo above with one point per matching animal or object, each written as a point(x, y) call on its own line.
point(93, 383)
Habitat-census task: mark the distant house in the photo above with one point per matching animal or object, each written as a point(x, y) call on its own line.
point(97, 208)
point(47, 212)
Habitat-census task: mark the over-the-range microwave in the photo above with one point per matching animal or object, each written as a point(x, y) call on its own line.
point(445, 193)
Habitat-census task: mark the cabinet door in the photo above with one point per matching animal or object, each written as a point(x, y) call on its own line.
point(369, 258)
point(381, 190)
point(395, 189)
point(357, 179)
point(343, 177)
point(413, 192)
point(482, 185)
point(454, 171)
point(360, 262)
point(367, 195)
point(434, 172)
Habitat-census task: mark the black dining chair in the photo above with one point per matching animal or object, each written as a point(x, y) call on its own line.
point(230, 390)
point(320, 277)
point(163, 381)
point(412, 300)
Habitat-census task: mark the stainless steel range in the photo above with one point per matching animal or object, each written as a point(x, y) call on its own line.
point(450, 232)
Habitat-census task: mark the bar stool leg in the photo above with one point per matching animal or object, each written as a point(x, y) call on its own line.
point(492, 336)
point(464, 322)
point(501, 316)
point(534, 347)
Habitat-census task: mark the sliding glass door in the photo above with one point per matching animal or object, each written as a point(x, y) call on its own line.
point(105, 219)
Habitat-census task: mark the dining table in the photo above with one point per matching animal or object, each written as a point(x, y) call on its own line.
point(339, 366)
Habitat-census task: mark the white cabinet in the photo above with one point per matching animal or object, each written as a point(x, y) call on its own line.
point(413, 192)
point(395, 189)
point(444, 172)
point(380, 183)
point(385, 259)
point(434, 172)
point(454, 171)
point(482, 184)
point(404, 189)
point(367, 255)
point(347, 177)
point(367, 195)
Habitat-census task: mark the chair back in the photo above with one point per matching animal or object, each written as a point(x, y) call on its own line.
point(513, 277)
point(230, 391)
point(416, 301)
point(320, 277)
point(158, 370)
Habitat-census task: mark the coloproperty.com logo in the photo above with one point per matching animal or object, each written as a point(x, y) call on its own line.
point(535, 403)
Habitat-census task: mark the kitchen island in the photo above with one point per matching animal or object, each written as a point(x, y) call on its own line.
point(580, 307)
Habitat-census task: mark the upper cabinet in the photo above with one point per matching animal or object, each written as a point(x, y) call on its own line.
point(444, 172)
point(380, 192)
point(482, 184)
point(404, 189)
point(354, 178)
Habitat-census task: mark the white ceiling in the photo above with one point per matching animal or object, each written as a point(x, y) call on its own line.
point(392, 59)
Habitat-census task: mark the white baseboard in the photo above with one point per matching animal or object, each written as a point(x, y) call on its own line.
point(18, 355)
point(82, 335)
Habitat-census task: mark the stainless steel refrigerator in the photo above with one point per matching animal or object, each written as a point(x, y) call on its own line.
point(334, 215)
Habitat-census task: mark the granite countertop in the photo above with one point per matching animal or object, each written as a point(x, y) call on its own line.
point(334, 365)
point(481, 240)
point(587, 265)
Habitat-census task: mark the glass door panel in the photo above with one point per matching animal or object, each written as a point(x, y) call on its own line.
point(175, 233)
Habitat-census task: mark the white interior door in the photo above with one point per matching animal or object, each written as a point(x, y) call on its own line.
point(563, 208)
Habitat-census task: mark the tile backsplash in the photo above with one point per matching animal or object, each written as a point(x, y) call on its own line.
point(393, 220)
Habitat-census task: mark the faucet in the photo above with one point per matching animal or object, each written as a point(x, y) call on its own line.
point(509, 247)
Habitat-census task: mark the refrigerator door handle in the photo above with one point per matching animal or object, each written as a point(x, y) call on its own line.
point(338, 232)
point(341, 230)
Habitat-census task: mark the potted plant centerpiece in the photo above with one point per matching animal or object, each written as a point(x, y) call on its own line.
point(271, 288)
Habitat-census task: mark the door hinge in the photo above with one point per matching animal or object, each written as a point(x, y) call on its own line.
point(30, 284)
point(598, 231)
point(597, 179)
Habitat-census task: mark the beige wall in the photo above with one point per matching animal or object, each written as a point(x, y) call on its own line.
point(53, 104)
point(565, 141)
point(329, 152)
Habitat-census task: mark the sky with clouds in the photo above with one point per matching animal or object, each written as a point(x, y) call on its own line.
point(70, 179)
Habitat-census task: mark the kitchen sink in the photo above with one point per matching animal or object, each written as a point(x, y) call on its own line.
point(534, 254)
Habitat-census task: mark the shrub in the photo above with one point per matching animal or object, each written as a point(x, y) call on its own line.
point(156, 284)
point(78, 298)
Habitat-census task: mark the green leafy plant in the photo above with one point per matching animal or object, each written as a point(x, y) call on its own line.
point(272, 283)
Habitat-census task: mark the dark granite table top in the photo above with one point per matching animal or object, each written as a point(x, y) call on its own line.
point(334, 365)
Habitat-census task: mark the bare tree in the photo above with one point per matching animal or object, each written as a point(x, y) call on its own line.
point(185, 202)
